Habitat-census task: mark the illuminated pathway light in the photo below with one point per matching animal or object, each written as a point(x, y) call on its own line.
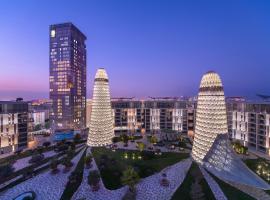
point(101, 121)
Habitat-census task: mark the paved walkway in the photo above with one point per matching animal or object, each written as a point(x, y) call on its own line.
point(150, 189)
point(45, 185)
point(85, 192)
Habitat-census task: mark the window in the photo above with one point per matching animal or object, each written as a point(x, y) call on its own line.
point(52, 33)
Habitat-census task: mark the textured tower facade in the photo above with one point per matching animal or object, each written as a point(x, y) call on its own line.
point(101, 129)
point(211, 119)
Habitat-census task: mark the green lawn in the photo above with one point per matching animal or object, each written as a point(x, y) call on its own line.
point(72, 187)
point(114, 163)
point(230, 191)
point(189, 190)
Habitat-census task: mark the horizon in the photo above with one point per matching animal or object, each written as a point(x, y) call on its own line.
point(148, 49)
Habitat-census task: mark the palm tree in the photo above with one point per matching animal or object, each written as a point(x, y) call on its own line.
point(141, 146)
point(130, 177)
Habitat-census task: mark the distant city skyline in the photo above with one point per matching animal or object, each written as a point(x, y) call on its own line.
point(149, 48)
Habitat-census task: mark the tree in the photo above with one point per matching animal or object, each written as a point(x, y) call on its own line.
point(93, 179)
point(47, 123)
point(67, 163)
point(70, 153)
point(46, 144)
point(153, 139)
point(141, 146)
point(124, 138)
point(37, 127)
point(130, 177)
point(54, 165)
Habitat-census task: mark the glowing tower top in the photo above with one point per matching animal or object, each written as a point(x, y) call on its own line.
point(211, 117)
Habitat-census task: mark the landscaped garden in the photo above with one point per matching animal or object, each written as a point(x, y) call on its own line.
point(239, 148)
point(194, 186)
point(74, 180)
point(260, 166)
point(112, 163)
point(230, 191)
point(37, 163)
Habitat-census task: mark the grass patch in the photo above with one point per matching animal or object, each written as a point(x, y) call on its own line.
point(71, 187)
point(189, 190)
point(112, 164)
point(230, 191)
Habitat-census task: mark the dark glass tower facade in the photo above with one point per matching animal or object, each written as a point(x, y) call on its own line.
point(67, 77)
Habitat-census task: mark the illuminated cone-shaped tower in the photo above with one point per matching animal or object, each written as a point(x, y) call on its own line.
point(101, 121)
point(211, 117)
point(211, 146)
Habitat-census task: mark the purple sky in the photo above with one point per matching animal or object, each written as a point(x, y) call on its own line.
point(148, 47)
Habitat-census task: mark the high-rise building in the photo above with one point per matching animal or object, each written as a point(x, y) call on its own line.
point(211, 118)
point(211, 145)
point(13, 126)
point(249, 123)
point(101, 120)
point(67, 77)
point(152, 115)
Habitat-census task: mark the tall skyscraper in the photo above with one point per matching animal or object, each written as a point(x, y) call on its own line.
point(67, 77)
point(101, 121)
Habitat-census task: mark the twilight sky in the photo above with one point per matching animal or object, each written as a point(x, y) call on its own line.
point(148, 47)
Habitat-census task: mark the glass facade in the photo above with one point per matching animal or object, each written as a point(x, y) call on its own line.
point(67, 77)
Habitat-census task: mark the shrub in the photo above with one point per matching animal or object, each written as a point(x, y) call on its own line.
point(67, 162)
point(93, 179)
point(54, 165)
point(70, 153)
point(141, 146)
point(124, 138)
point(115, 139)
point(6, 170)
point(46, 144)
point(39, 149)
point(88, 160)
point(62, 147)
point(36, 158)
